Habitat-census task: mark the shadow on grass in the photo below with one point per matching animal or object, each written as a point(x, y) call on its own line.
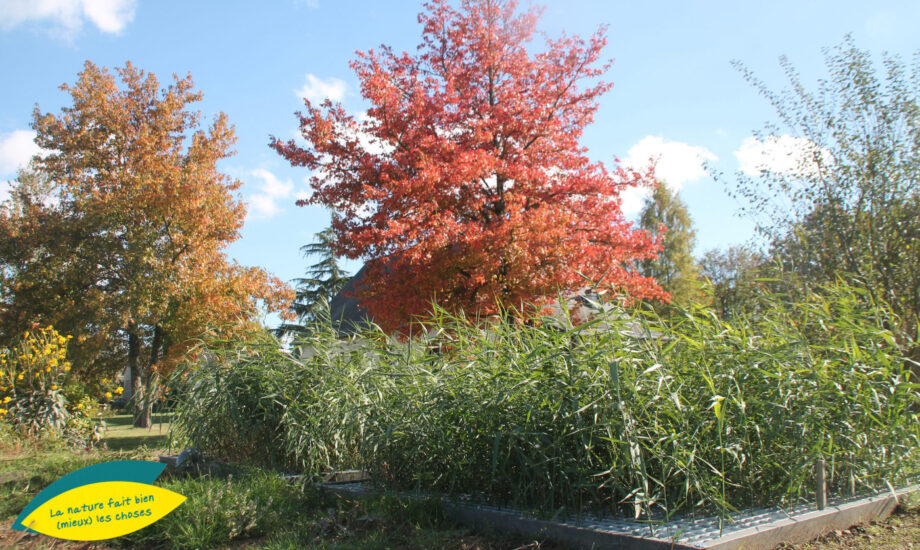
point(131, 443)
point(128, 420)
point(122, 435)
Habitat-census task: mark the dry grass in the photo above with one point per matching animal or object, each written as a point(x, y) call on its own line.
point(900, 531)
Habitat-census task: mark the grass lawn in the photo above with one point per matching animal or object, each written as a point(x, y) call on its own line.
point(254, 509)
point(121, 435)
point(234, 509)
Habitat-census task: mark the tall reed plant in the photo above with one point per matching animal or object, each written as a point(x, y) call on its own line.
point(628, 413)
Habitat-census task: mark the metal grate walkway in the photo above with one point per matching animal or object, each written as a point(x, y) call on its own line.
point(751, 529)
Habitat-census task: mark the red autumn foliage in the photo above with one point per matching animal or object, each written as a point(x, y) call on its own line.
point(465, 182)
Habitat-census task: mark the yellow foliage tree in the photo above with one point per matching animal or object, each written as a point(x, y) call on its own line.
point(126, 244)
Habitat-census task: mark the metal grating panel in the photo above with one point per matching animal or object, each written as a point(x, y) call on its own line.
point(750, 529)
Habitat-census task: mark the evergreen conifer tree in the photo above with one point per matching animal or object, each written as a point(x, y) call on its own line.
point(322, 282)
point(675, 269)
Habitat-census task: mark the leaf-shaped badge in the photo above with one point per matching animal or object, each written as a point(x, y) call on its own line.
point(102, 510)
point(139, 471)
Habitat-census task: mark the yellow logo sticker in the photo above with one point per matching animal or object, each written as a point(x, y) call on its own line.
point(99, 502)
point(102, 510)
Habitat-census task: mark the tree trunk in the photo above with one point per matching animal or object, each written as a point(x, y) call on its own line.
point(141, 397)
point(128, 383)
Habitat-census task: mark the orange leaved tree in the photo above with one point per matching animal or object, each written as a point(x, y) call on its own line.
point(117, 234)
point(465, 180)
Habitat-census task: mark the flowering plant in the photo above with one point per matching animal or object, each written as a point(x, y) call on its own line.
point(34, 374)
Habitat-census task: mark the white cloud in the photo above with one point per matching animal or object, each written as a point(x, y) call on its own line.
point(676, 164)
point(317, 89)
point(16, 150)
point(784, 154)
point(632, 200)
point(264, 204)
point(368, 141)
point(109, 15)
point(68, 16)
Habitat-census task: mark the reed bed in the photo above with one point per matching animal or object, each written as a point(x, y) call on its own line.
point(628, 414)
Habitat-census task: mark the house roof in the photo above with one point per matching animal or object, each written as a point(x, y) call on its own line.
point(347, 314)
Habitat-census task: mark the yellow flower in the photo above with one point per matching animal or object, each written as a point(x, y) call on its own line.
point(105, 380)
point(37, 374)
point(3, 412)
point(54, 386)
point(6, 399)
point(108, 395)
point(119, 390)
point(19, 377)
point(69, 336)
point(79, 405)
point(53, 362)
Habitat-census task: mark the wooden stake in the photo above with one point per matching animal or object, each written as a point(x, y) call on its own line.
point(820, 484)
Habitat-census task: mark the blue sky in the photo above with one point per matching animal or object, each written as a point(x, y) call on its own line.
point(675, 93)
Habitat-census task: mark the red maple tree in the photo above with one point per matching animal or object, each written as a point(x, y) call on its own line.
point(465, 182)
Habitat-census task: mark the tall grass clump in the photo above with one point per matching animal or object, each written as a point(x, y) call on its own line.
point(628, 413)
point(302, 409)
